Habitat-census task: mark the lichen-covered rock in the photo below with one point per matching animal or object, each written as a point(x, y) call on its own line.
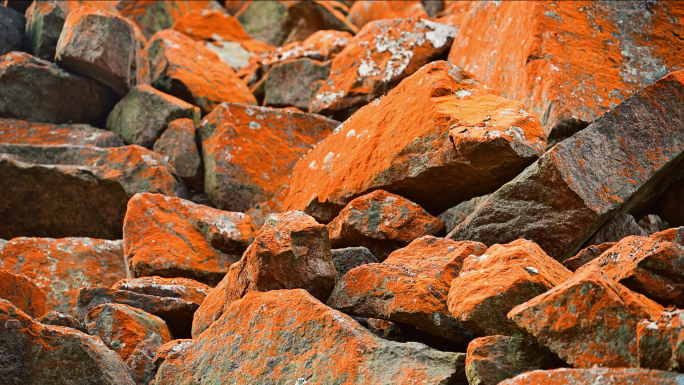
point(491, 284)
point(411, 286)
point(363, 12)
point(190, 71)
point(210, 309)
point(661, 341)
point(288, 336)
point(620, 226)
point(13, 131)
point(304, 18)
point(599, 376)
point(37, 90)
point(288, 84)
point(33, 353)
point(22, 293)
point(62, 266)
point(134, 334)
point(605, 169)
point(351, 257)
point(11, 30)
point(249, 152)
point(265, 21)
point(570, 62)
point(260, 212)
point(44, 22)
point(183, 288)
point(172, 237)
point(457, 214)
point(144, 113)
point(586, 255)
point(153, 16)
point(321, 46)
point(439, 130)
point(178, 146)
point(56, 318)
point(62, 191)
point(588, 321)
point(102, 46)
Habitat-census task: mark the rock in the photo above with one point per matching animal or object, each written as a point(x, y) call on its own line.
point(652, 224)
point(210, 310)
point(454, 13)
point(387, 330)
point(585, 255)
point(144, 113)
point(170, 351)
point(378, 58)
point(363, 12)
point(249, 152)
point(39, 91)
point(411, 286)
point(289, 83)
point(661, 341)
point(351, 257)
point(265, 21)
point(620, 226)
point(102, 46)
point(63, 191)
point(382, 222)
point(457, 214)
point(61, 266)
point(11, 30)
point(22, 293)
point(56, 318)
point(33, 353)
point(176, 312)
point(452, 153)
point(183, 288)
point(304, 18)
point(652, 266)
point(178, 144)
point(13, 131)
point(589, 320)
point(321, 46)
point(190, 71)
point(598, 376)
point(154, 16)
point(434, 7)
point(44, 22)
point(288, 336)
point(172, 237)
point(260, 212)
point(134, 334)
point(603, 170)
point(493, 359)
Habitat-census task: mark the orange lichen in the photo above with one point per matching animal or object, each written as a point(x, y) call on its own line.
point(23, 293)
point(363, 12)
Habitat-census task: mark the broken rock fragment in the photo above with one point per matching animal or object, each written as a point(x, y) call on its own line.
point(44, 22)
point(11, 30)
point(22, 293)
point(56, 318)
point(351, 257)
point(178, 144)
point(599, 376)
point(183, 288)
point(661, 341)
point(288, 84)
point(210, 309)
point(364, 11)
point(586, 255)
point(13, 131)
point(265, 21)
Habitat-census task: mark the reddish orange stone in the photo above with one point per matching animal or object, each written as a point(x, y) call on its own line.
point(363, 12)
point(23, 293)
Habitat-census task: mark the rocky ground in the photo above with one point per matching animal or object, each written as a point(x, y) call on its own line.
point(341, 192)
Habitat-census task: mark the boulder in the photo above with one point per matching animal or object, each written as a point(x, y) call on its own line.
point(661, 341)
point(491, 284)
point(288, 336)
point(37, 90)
point(154, 16)
point(439, 130)
point(351, 257)
point(210, 310)
point(12, 25)
point(288, 84)
point(581, 183)
point(457, 214)
point(620, 226)
point(178, 146)
point(44, 22)
point(598, 376)
point(411, 286)
point(363, 12)
point(588, 321)
point(62, 266)
point(652, 224)
point(304, 18)
point(22, 293)
point(13, 131)
point(321, 46)
point(265, 21)
point(249, 152)
point(56, 318)
point(586, 255)
point(172, 237)
point(183, 288)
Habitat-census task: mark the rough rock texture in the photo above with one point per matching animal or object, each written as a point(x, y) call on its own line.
point(144, 113)
point(378, 58)
point(44, 22)
point(178, 146)
point(260, 212)
point(661, 341)
point(153, 16)
point(33, 353)
point(652, 224)
point(22, 293)
point(652, 266)
point(599, 376)
point(102, 46)
point(491, 284)
point(183, 288)
point(457, 214)
point(581, 183)
point(411, 286)
point(265, 21)
point(11, 30)
point(37, 90)
point(289, 83)
point(426, 135)
point(189, 71)
point(62, 266)
point(172, 237)
point(570, 62)
point(620, 226)
point(62, 191)
point(588, 320)
point(56, 318)
point(321, 46)
point(134, 334)
point(270, 351)
point(249, 152)
point(351, 257)
point(210, 309)
point(585, 255)
point(13, 131)
point(304, 18)
point(364, 11)
point(382, 222)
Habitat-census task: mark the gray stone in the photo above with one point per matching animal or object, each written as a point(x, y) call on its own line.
point(457, 214)
point(44, 22)
point(265, 21)
point(11, 30)
point(288, 84)
point(178, 145)
point(351, 257)
point(620, 226)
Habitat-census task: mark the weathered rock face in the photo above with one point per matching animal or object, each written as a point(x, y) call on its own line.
point(265, 21)
point(652, 224)
point(134, 334)
point(289, 83)
point(210, 309)
point(321, 46)
point(585, 255)
point(260, 212)
point(457, 214)
point(154, 16)
point(378, 58)
point(172, 237)
point(87, 188)
point(13, 131)
point(62, 266)
point(44, 22)
point(351, 257)
point(33, 353)
point(11, 30)
point(183, 288)
point(144, 113)
point(598, 376)
point(259, 322)
point(569, 62)
point(492, 284)
point(363, 12)
point(249, 152)
point(620, 226)
point(304, 18)
point(410, 286)
point(588, 320)
point(469, 142)
point(37, 90)
point(190, 71)
point(661, 341)
point(56, 318)
point(605, 169)
point(22, 293)
point(382, 222)
point(178, 144)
